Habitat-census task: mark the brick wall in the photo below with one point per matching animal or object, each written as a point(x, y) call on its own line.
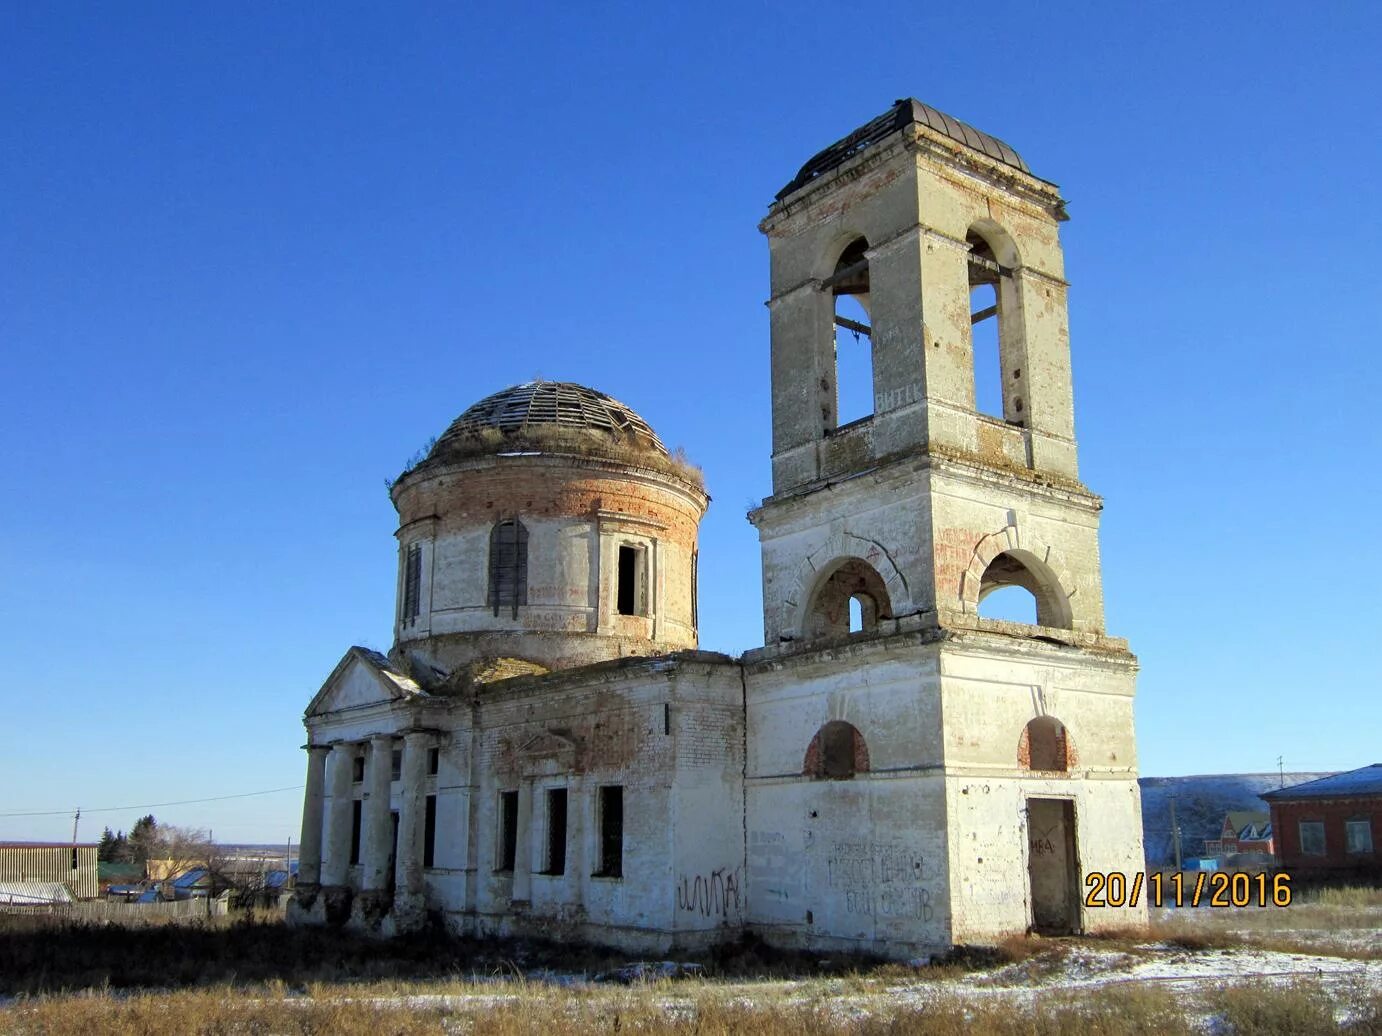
point(1333, 813)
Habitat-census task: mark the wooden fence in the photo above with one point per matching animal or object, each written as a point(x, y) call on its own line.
point(128, 913)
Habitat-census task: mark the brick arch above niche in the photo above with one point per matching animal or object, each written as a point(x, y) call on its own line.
point(840, 546)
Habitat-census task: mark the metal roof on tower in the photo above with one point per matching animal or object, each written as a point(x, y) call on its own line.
point(903, 113)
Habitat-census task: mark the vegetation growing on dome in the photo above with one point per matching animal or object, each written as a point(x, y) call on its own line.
point(552, 440)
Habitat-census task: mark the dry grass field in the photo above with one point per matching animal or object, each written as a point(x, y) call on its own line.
point(1315, 967)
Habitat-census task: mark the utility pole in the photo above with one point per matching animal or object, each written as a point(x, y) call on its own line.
point(1281, 772)
point(76, 819)
point(210, 874)
point(1175, 833)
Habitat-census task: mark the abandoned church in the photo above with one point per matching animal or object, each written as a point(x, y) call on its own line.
point(545, 752)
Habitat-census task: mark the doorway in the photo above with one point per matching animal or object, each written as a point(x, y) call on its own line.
point(1053, 869)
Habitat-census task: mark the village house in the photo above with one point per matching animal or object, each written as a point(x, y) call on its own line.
point(73, 865)
point(1243, 831)
point(544, 751)
point(1330, 829)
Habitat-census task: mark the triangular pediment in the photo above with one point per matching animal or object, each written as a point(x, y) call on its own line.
point(362, 678)
point(547, 745)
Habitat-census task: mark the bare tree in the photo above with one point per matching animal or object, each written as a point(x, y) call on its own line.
point(179, 850)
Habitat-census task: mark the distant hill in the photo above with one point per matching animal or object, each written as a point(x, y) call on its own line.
point(1201, 803)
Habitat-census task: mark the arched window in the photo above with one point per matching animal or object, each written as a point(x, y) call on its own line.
point(508, 566)
point(849, 285)
point(836, 753)
point(1045, 745)
point(852, 585)
point(995, 326)
point(1037, 595)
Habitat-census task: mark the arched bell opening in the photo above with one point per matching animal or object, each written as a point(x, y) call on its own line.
point(1030, 592)
point(853, 592)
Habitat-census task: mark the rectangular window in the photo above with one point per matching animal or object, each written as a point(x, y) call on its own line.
point(508, 831)
point(1358, 836)
point(611, 806)
point(356, 808)
point(396, 765)
point(632, 595)
point(1312, 837)
point(556, 832)
point(429, 832)
point(357, 769)
point(412, 583)
point(433, 761)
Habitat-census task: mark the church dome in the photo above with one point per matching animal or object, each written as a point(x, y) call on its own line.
point(528, 408)
point(550, 417)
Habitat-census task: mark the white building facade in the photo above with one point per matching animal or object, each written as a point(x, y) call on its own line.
point(544, 752)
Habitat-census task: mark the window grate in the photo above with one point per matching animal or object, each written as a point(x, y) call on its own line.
point(508, 566)
point(412, 583)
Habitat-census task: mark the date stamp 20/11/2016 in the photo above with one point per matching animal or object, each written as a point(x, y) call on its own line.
point(1208, 888)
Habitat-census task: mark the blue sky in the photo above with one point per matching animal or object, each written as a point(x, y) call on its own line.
point(253, 257)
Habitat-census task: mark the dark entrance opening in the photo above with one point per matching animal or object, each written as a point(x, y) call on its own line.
point(611, 832)
point(1052, 866)
point(628, 581)
point(556, 831)
point(508, 830)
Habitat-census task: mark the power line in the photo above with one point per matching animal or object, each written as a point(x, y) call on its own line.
point(152, 805)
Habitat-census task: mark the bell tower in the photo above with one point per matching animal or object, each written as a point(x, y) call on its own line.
point(922, 772)
point(950, 246)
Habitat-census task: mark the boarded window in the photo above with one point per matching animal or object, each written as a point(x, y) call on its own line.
point(429, 832)
point(556, 832)
point(837, 752)
point(1358, 836)
point(412, 583)
point(1312, 837)
point(433, 761)
point(1045, 745)
point(396, 765)
point(611, 806)
point(508, 566)
point(508, 831)
point(356, 808)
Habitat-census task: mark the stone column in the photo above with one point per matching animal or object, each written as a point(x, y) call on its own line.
point(376, 833)
point(412, 813)
point(577, 827)
point(336, 859)
point(523, 847)
point(310, 845)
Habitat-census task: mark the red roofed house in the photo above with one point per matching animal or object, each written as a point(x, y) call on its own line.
point(1243, 831)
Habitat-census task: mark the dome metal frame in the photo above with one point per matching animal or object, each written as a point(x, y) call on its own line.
point(536, 406)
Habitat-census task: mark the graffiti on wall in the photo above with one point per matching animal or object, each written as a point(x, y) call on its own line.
point(715, 894)
point(880, 879)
